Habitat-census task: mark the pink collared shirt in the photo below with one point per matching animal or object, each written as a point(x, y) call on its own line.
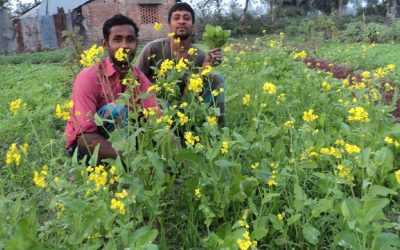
point(93, 88)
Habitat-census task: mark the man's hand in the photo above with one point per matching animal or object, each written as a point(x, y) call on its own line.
point(213, 58)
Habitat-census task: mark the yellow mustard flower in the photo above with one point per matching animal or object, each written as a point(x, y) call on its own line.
point(183, 119)
point(246, 100)
point(246, 243)
point(206, 71)
point(224, 148)
point(91, 56)
point(309, 116)
point(195, 83)
point(358, 114)
point(300, 55)
point(39, 179)
point(352, 149)
point(121, 54)
point(269, 88)
point(281, 216)
point(182, 64)
point(158, 26)
point(192, 51)
point(388, 140)
point(255, 165)
point(397, 174)
point(191, 139)
point(13, 155)
point(166, 65)
point(197, 193)
point(289, 124)
point(325, 85)
point(183, 105)
point(122, 194)
point(212, 120)
point(16, 106)
point(118, 205)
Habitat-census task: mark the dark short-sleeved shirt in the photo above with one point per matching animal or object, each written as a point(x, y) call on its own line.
point(159, 50)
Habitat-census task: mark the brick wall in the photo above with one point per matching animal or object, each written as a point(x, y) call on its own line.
point(96, 12)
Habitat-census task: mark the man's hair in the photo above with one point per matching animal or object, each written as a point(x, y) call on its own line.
point(118, 20)
point(180, 6)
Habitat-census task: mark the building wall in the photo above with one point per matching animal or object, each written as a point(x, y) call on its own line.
point(7, 33)
point(98, 11)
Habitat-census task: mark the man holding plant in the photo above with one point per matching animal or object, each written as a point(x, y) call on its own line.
point(97, 87)
point(178, 45)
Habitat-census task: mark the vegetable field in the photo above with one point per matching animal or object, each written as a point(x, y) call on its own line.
point(306, 161)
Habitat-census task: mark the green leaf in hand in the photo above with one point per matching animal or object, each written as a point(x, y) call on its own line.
point(215, 37)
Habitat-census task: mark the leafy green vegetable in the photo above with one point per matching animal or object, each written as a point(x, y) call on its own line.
point(215, 37)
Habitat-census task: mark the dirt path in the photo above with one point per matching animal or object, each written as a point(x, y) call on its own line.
point(342, 72)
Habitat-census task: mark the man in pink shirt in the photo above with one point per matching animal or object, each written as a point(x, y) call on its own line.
point(97, 87)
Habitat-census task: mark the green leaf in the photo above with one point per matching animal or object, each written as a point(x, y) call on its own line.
point(212, 152)
point(293, 219)
point(93, 158)
point(364, 156)
point(268, 197)
point(224, 163)
point(25, 235)
point(384, 157)
point(372, 208)
point(143, 236)
point(272, 132)
point(322, 205)
point(299, 197)
point(259, 233)
point(311, 234)
point(376, 190)
point(276, 223)
point(349, 207)
point(98, 120)
point(386, 241)
point(260, 226)
point(188, 155)
point(347, 239)
point(215, 37)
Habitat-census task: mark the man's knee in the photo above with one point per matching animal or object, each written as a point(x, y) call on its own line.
point(217, 81)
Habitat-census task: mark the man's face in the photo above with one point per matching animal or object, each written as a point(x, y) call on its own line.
point(121, 36)
point(181, 24)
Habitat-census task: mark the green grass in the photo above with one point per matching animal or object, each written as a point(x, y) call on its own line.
point(56, 56)
point(360, 56)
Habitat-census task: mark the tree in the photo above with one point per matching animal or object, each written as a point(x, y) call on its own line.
point(372, 2)
point(387, 8)
point(327, 6)
point(5, 4)
point(245, 19)
point(272, 10)
point(340, 8)
point(21, 8)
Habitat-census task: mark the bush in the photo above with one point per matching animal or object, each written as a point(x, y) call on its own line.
point(354, 32)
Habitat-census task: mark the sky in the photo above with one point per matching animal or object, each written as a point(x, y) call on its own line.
point(14, 2)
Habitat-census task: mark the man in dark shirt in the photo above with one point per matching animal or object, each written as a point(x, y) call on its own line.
point(181, 20)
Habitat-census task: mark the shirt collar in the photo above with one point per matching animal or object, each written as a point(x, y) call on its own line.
point(108, 65)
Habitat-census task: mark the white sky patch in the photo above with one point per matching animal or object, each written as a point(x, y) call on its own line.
point(14, 3)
